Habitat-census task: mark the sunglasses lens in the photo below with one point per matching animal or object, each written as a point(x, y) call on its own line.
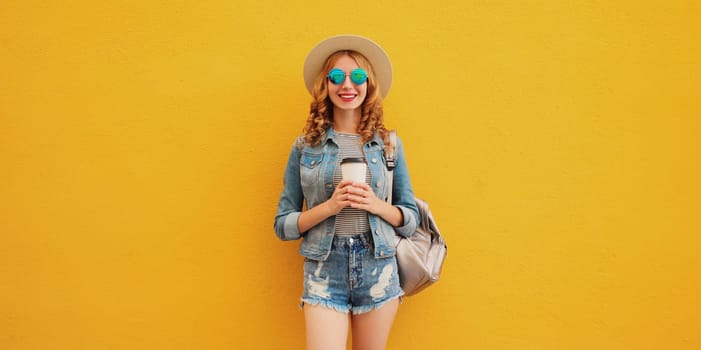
point(359, 76)
point(337, 76)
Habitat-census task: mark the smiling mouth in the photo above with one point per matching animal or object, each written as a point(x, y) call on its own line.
point(347, 97)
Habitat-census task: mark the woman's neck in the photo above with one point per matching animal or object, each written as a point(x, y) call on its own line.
point(346, 121)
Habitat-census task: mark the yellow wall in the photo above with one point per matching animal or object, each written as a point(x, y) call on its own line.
point(142, 145)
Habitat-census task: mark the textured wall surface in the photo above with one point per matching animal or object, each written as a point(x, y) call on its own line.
point(142, 146)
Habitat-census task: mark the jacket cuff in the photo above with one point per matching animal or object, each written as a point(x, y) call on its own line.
point(291, 230)
point(410, 224)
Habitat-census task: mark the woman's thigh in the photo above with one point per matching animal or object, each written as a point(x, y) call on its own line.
point(326, 328)
point(371, 329)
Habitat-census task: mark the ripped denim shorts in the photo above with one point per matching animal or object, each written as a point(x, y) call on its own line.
point(351, 279)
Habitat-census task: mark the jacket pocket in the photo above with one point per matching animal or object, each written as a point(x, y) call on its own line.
point(309, 168)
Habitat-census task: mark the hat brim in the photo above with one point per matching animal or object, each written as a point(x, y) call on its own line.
point(381, 64)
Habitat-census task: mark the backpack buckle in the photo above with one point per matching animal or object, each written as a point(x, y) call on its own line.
point(390, 164)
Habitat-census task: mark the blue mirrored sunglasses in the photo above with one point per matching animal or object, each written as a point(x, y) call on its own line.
point(358, 76)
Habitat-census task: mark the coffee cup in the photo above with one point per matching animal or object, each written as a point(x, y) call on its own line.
point(354, 169)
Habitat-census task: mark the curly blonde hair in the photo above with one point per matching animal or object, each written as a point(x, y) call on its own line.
point(321, 108)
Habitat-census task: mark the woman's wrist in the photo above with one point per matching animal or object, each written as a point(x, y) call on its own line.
point(392, 215)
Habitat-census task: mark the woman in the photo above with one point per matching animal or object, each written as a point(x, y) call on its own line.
point(347, 228)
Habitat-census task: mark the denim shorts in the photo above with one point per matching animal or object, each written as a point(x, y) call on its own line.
point(351, 279)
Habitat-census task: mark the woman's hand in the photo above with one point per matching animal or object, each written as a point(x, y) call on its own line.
point(340, 197)
point(339, 200)
point(361, 196)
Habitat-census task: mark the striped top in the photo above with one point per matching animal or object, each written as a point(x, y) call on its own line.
point(350, 221)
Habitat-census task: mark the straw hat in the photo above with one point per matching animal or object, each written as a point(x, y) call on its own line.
point(378, 58)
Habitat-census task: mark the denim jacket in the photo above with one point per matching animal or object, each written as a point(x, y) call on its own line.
point(309, 177)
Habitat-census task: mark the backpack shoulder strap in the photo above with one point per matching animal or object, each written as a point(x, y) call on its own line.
point(390, 158)
point(390, 151)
